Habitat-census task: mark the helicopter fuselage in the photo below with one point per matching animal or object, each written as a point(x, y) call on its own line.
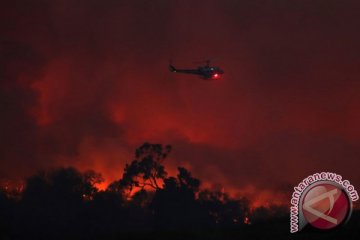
point(207, 72)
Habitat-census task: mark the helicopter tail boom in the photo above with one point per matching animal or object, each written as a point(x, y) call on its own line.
point(172, 68)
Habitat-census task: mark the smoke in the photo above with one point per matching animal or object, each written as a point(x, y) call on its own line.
point(83, 83)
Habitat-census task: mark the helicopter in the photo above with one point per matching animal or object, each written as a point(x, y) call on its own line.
point(207, 72)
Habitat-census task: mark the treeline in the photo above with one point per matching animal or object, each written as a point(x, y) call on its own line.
point(65, 204)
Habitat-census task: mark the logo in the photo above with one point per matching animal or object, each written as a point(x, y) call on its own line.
point(325, 206)
point(322, 200)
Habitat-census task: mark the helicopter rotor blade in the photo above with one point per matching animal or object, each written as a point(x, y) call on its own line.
point(207, 61)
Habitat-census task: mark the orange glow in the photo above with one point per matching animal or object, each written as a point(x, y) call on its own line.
point(103, 185)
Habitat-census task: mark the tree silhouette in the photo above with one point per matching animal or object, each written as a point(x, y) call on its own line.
point(6, 210)
point(66, 185)
point(146, 170)
point(145, 203)
point(175, 205)
point(186, 180)
point(222, 209)
point(54, 201)
point(263, 214)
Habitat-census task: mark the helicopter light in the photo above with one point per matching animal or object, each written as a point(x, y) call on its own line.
point(215, 75)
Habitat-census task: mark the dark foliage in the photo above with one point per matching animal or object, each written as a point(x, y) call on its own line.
point(145, 203)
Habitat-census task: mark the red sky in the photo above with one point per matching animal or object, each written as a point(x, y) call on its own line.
point(83, 83)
